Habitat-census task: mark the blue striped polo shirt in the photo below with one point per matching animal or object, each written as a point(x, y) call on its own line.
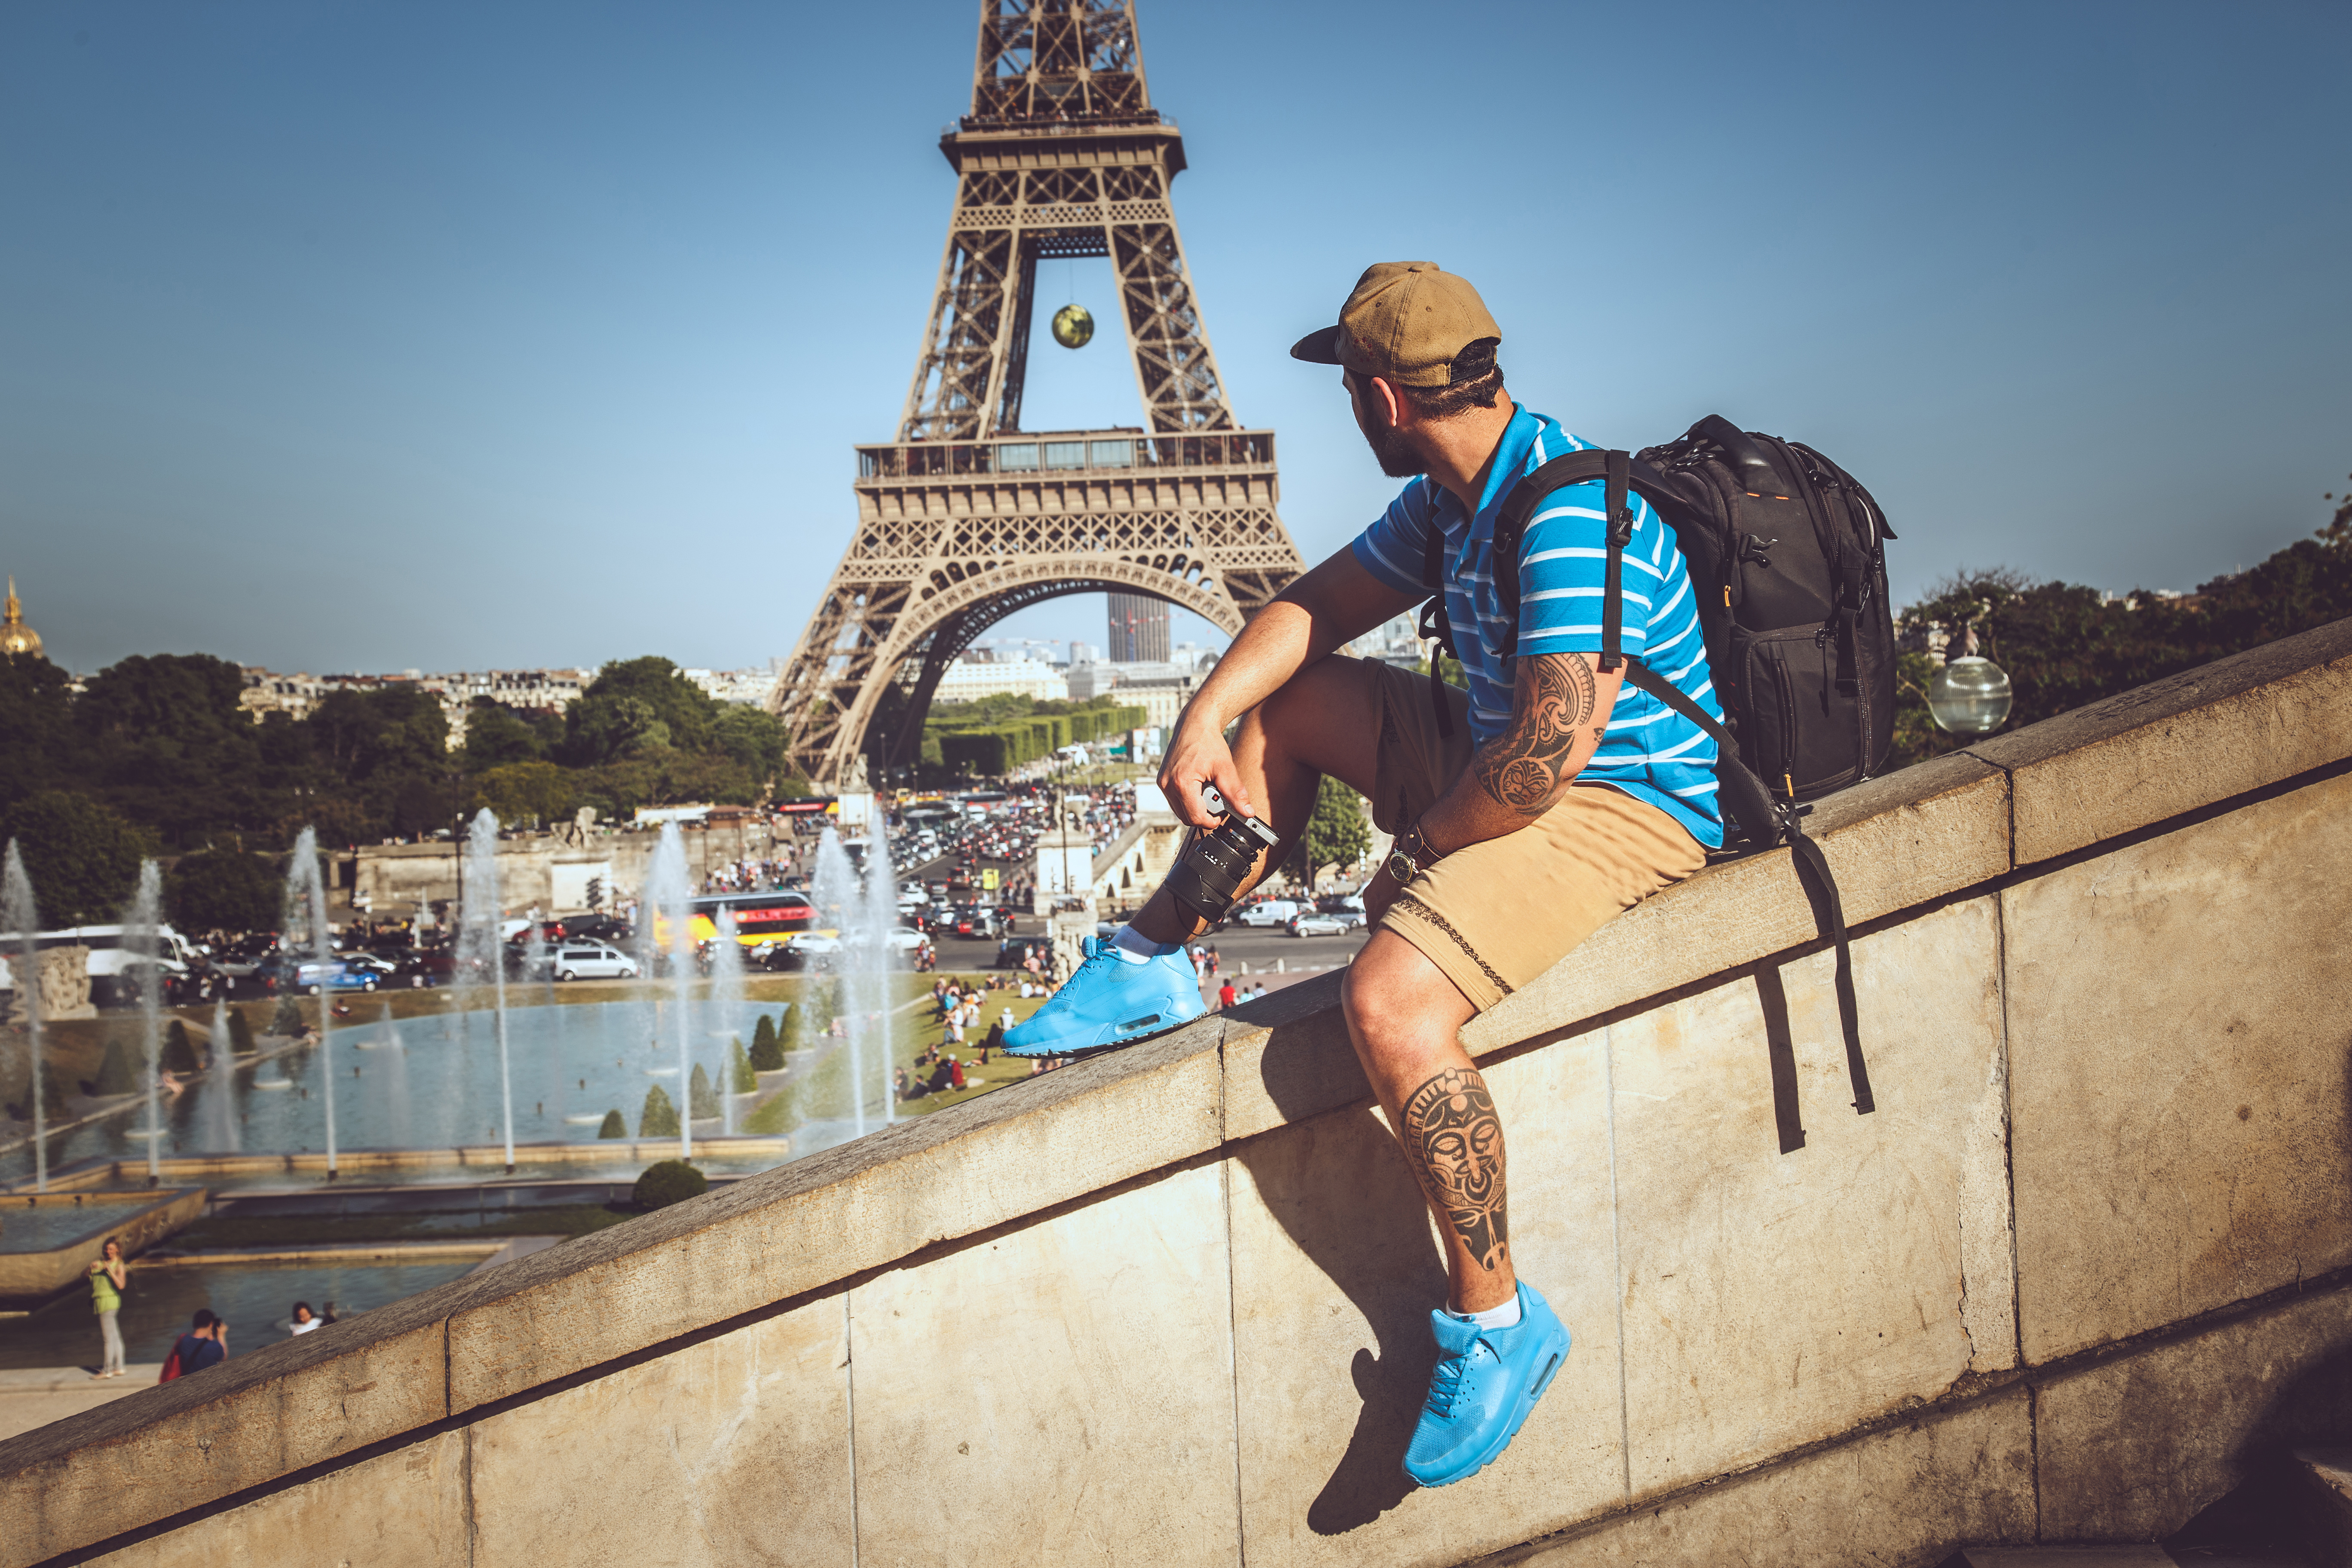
point(1650, 752)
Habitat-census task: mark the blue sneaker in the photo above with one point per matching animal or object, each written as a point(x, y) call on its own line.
point(1486, 1381)
point(1109, 1001)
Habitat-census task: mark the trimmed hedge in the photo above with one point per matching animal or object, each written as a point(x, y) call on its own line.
point(668, 1181)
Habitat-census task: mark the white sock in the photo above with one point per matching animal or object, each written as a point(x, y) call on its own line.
point(1137, 948)
point(1506, 1316)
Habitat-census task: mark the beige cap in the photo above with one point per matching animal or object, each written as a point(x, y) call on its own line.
point(1407, 322)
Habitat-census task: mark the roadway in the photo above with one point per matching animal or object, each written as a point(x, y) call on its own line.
point(1261, 950)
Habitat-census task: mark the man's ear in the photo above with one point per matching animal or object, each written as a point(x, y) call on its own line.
point(1385, 400)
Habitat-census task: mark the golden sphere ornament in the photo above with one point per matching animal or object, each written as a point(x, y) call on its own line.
point(1074, 326)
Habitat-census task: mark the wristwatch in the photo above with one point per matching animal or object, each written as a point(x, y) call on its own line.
point(1409, 855)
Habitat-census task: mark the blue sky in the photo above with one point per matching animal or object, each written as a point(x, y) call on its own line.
point(368, 336)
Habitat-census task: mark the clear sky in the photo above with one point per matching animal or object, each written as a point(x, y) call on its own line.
point(379, 335)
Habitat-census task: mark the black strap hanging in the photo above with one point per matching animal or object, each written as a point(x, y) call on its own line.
point(1436, 626)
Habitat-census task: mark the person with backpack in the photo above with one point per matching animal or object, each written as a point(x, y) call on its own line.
point(205, 1344)
point(1526, 811)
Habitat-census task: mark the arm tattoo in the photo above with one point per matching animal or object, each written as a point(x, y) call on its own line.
point(1522, 768)
point(1455, 1143)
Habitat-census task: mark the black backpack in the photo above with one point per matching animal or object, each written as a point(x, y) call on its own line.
point(1787, 555)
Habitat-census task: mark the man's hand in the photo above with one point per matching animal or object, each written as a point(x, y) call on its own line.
point(1199, 755)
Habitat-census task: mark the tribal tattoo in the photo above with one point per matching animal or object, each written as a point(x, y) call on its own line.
point(1524, 768)
point(1455, 1143)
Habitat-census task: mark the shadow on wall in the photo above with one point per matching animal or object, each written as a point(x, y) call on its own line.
point(1343, 1193)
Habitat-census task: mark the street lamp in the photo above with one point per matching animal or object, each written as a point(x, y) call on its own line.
point(1970, 695)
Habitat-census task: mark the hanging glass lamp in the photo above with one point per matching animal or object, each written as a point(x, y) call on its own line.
point(1074, 326)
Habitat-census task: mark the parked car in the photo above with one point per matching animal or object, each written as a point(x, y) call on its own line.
point(594, 961)
point(1317, 924)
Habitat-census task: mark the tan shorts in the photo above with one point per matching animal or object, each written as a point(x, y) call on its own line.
point(1493, 915)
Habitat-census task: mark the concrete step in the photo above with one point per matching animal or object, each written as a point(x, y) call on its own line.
point(2324, 1480)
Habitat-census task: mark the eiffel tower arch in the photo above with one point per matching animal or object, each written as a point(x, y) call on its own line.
point(966, 517)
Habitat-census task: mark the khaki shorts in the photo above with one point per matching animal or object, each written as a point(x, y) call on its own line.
point(1495, 914)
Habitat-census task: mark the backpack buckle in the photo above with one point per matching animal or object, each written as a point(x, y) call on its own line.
point(1621, 528)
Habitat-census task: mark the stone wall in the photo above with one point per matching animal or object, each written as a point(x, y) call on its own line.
point(396, 877)
point(2090, 1255)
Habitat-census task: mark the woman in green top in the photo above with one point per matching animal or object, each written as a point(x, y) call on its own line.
point(109, 1277)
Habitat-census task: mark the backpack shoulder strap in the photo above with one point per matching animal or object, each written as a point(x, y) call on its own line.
point(1577, 468)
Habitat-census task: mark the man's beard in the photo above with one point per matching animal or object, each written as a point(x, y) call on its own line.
point(1396, 457)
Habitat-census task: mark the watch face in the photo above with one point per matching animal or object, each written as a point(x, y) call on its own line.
point(1400, 867)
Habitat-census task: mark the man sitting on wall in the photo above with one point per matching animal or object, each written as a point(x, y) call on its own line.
point(1543, 803)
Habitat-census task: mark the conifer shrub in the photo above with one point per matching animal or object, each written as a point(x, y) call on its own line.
point(115, 1073)
point(767, 1046)
point(659, 1117)
point(740, 1079)
point(615, 1125)
point(179, 1051)
point(668, 1181)
point(287, 1019)
point(700, 1095)
point(240, 1034)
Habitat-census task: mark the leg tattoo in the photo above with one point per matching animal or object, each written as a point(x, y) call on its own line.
point(1455, 1143)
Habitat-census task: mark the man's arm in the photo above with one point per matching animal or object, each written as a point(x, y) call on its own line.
point(1559, 714)
point(1333, 603)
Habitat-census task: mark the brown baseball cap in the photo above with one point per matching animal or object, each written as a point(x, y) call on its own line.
point(1408, 322)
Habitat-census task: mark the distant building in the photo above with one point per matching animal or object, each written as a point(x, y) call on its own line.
point(1138, 629)
point(1084, 653)
point(1396, 642)
point(751, 687)
point(15, 636)
point(969, 680)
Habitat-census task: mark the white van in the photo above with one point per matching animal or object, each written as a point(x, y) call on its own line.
point(1269, 912)
point(593, 961)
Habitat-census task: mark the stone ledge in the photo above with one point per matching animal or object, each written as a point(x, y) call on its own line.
point(255, 1417)
point(2222, 729)
point(1908, 839)
point(804, 1226)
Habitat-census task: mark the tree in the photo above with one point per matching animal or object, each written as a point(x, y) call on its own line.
point(612, 1125)
point(166, 743)
point(659, 1117)
point(634, 704)
point(526, 792)
point(223, 890)
point(240, 1034)
point(39, 747)
point(83, 856)
point(115, 1074)
point(740, 1079)
point(1336, 833)
point(700, 1096)
point(497, 735)
point(767, 1048)
point(179, 1053)
point(667, 1181)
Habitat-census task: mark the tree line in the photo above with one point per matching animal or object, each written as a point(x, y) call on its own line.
point(154, 755)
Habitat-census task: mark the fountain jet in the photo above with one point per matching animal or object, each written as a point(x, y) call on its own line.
point(306, 894)
point(23, 918)
point(480, 944)
point(145, 943)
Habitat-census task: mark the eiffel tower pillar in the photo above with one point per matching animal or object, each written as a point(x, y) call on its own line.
point(965, 518)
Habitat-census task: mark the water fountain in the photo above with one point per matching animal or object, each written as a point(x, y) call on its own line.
point(139, 935)
point(23, 917)
point(480, 945)
point(220, 1106)
point(666, 931)
point(726, 992)
point(306, 896)
point(864, 911)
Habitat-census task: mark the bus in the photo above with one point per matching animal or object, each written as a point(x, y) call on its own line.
point(760, 918)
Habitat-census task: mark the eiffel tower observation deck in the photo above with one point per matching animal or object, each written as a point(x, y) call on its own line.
point(966, 517)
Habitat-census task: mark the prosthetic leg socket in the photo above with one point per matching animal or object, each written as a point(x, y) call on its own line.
point(1208, 875)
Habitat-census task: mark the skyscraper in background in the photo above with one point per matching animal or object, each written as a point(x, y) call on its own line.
point(1139, 628)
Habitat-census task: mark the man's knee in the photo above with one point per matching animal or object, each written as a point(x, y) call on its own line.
point(1393, 997)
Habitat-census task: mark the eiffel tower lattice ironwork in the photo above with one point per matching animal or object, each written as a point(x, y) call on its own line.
point(966, 517)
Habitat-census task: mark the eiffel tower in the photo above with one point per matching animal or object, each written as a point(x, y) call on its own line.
point(965, 516)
